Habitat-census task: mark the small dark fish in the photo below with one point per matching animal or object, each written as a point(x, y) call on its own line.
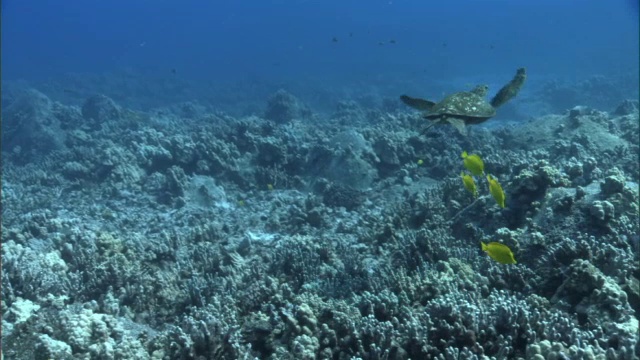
point(392, 41)
point(444, 44)
point(380, 43)
point(335, 39)
point(492, 47)
point(173, 71)
point(350, 34)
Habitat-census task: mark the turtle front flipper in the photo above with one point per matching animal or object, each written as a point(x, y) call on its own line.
point(510, 90)
point(416, 103)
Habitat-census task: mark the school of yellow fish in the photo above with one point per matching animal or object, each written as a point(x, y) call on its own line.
point(474, 164)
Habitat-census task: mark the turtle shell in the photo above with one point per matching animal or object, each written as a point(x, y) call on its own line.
point(467, 105)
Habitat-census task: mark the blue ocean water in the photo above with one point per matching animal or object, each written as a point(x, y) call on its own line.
point(250, 179)
point(285, 41)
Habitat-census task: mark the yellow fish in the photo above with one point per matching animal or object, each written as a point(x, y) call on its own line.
point(473, 163)
point(469, 184)
point(496, 190)
point(499, 252)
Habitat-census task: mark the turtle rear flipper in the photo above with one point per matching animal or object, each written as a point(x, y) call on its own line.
point(416, 103)
point(510, 90)
point(459, 125)
point(435, 122)
point(456, 123)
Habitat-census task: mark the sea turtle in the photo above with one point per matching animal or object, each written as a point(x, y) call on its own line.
point(466, 107)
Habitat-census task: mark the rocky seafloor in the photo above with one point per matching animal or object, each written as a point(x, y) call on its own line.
point(182, 233)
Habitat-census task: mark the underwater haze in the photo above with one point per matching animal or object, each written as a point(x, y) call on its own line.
point(332, 180)
point(222, 41)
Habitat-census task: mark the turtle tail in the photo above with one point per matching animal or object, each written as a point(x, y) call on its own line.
point(510, 90)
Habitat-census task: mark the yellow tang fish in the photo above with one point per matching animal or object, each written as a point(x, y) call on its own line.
point(496, 190)
point(499, 252)
point(469, 184)
point(473, 163)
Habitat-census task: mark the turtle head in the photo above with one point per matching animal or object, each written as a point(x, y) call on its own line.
point(480, 90)
point(511, 89)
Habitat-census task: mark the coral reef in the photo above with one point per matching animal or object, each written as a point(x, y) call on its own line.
point(283, 107)
point(137, 235)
